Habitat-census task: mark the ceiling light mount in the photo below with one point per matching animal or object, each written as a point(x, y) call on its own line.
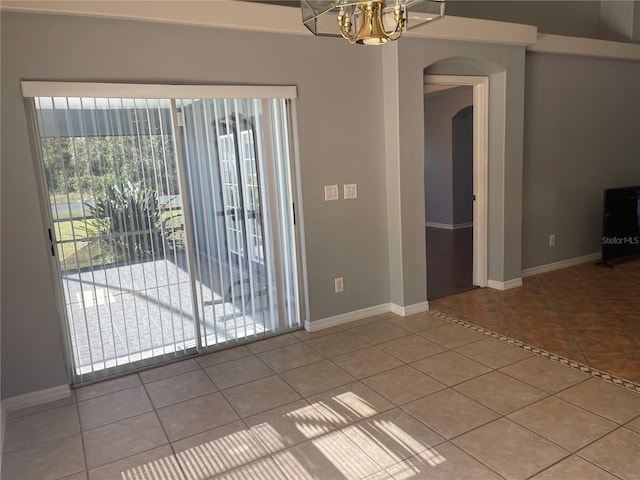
point(368, 22)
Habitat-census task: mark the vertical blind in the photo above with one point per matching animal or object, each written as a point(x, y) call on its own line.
point(172, 221)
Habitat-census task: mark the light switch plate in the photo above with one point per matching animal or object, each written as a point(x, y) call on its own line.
point(331, 193)
point(350, 191)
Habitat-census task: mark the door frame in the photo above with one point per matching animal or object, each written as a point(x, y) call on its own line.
point(31, 89)
point(480, 86)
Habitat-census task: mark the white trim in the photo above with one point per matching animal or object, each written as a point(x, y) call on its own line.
point(346, 317)
point(138, 90)
point(508, 285)
point(410, 309)
point(480, 166)
point(448, 226)
point(260, 17)
point(476, 30)
point(587, 47)
point(38, 397)
point(570, 262)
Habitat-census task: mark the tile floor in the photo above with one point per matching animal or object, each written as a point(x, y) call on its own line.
point(588, 313)
point(382, 398)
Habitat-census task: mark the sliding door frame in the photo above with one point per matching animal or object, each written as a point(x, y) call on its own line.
point(31, 89)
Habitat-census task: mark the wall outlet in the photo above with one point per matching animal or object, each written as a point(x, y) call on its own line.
point(552, 240)
point(331, 193)
point(339, 284)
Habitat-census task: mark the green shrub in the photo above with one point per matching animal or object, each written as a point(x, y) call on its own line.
point(128, 217)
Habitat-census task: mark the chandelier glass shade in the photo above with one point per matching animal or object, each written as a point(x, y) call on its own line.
point(368, 22)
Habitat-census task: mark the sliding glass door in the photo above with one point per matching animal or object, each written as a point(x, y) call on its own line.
point(170, 218)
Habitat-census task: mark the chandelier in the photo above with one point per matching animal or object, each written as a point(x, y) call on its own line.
point(368, 22)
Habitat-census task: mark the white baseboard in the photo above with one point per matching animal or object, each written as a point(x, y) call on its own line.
point(410, 309)
point(448, 226)
point(36, 398)
point(365, 313)
point(509, 284)
point(571, 262)
point(346, 317)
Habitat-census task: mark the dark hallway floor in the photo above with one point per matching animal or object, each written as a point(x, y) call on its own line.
point(449, 261)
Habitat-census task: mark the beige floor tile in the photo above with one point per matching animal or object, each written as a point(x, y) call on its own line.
point(69, 400)
point(382, 475)
point(362, 321)
point(500, 392)
point(77, 476)
point(451, 368)
point(444, 462)
point(113, 407)
point(544, 374)
point(634, 425)
point(449, 413)
point(238, 371)
point(48, 461)
point(304, 335)
point(179, 388)
point(411, 348)
point(366, 362)
point(403, 384)
point(122, 439)
point(392, 436)
point(569, 426)
point(349, 403)
point(41, 427)
point(316, 378)
point(289, 357)
point(618, 452)
point(332, 456)
point(289, 425)
point(605, 399)
point(510, 449)
point(108, 386)
point(260, 395)
point(336, 344)
point(158, 463)
point(493, 353)
point(452, 336)
point(574, 468)
point(271, 343)
point(418, 322)
point(195, 416)
point(263, 469)
point(379, 332)
point(223, 356)
point(216, 451)
point(166, 371)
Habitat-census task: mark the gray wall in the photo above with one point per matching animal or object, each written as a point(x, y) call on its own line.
point(560, 17)
point(582, 135)
point(439, 110)
point(343, 238)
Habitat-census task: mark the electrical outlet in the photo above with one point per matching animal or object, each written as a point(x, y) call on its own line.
point(339, 284)
point(552, 240)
